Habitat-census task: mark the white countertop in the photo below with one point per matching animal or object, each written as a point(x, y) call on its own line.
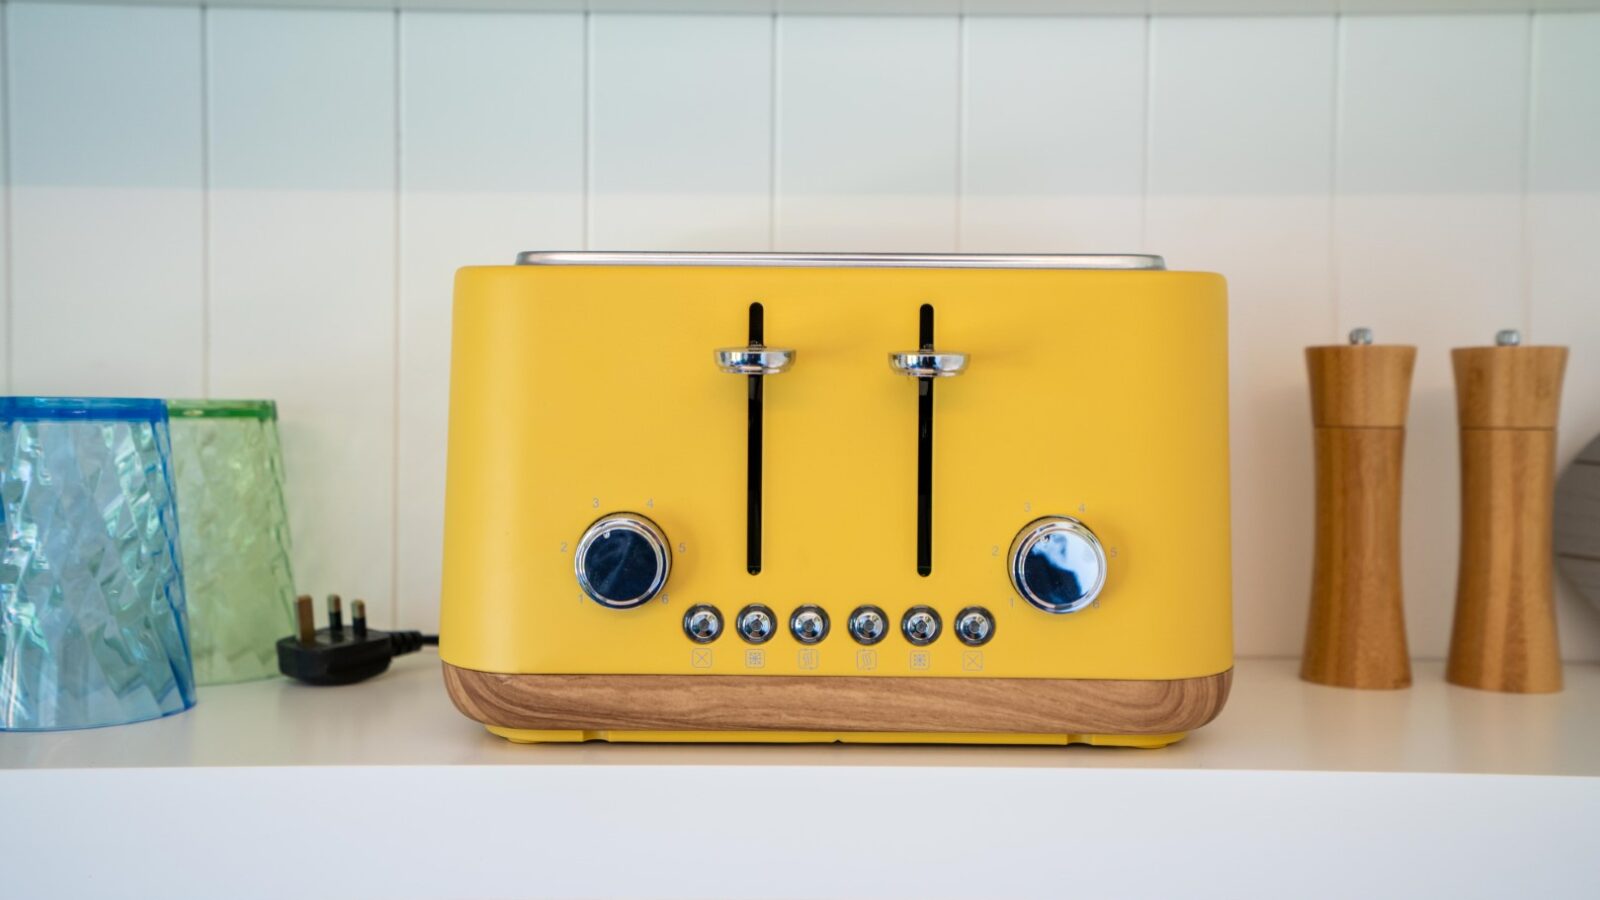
point(1428, 790)
point(1273, 721)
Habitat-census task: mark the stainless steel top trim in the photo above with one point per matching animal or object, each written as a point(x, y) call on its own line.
point(1140, 261)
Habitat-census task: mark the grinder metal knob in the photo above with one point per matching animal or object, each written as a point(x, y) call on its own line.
point(622, 561)
point(1057, 564)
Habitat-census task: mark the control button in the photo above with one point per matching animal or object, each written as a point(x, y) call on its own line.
point(756, 623)
point(703, 624)
point(974, 626)
point(868, 625)
point(921, 625)
point(809, 624)
point(1057, 564)
point(622, 561)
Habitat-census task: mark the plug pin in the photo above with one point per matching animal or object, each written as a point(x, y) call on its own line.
point(335, 614)
point(358, 618)
point(305, 619)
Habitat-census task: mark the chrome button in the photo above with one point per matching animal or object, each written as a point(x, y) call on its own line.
point(756, 623)
point(1057, 564)
point(921, 625)
point(868, 625)
point(622, 561)
point(702, 623)
point(809, 624)
point(974, 626)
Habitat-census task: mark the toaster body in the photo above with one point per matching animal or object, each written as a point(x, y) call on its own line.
point(934, 499)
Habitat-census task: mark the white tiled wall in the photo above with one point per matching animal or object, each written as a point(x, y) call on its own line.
point(242, 202)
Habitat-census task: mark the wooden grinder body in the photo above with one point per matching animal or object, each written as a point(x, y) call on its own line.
point(1507, 403)
point(1356, 634)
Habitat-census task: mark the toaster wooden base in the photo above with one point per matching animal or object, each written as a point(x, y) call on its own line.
point(816, 708)
point(536, 736)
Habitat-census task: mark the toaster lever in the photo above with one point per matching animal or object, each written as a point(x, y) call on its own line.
point(928, 363)
point(754, 360)
point(925, 364)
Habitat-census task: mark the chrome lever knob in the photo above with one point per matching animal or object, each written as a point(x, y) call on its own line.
point(928, 363)
point(755, 360)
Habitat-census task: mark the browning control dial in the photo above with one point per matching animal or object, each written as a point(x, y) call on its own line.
point(1057, 564)
point(622, 561)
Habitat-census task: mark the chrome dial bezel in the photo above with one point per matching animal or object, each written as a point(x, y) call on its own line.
point(633, 523)
point(1031, 535)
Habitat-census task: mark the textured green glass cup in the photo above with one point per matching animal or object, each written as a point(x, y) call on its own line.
point(229, 473)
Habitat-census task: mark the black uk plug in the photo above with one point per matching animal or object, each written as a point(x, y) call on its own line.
point(340, 655)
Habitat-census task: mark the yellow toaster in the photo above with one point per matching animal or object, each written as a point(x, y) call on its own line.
point(805, 497)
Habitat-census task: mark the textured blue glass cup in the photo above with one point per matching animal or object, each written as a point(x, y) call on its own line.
point(93, 627)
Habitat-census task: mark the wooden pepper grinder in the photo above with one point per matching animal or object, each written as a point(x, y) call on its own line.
point(1356, 636)
point(1507, 401)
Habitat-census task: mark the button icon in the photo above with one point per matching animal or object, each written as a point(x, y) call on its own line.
point(972, 661)
point(808, 659)
point(919, 659)
point(700, 657)
point(866, 660)
point(755, 659)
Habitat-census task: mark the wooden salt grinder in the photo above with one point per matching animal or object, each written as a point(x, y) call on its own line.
point(1507, 400)
point(1356, 635)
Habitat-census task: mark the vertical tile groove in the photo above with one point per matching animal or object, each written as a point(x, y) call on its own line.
point(396, 322)
point(772, 133)
point(961, 130)
point(1524, 212)
point(1337, 136)
point(5, 187)
point(1149, 104)
point(588, 127)
point(205, 202)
